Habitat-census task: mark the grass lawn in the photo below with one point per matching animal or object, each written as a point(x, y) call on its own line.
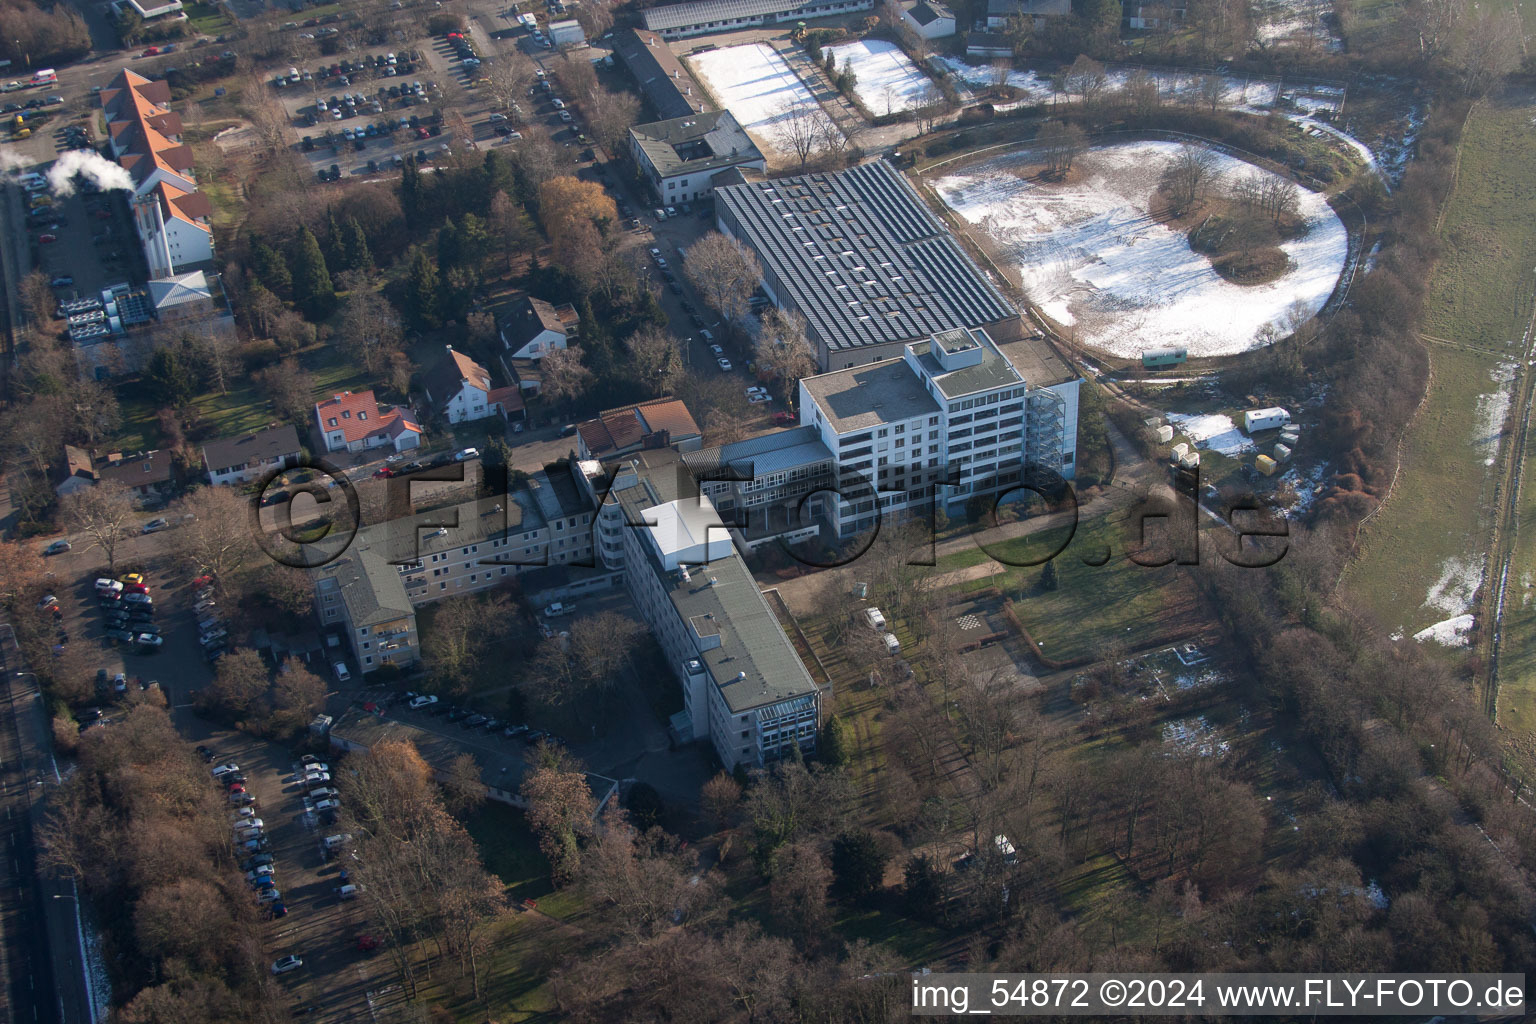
point(1092, 603)
point(1517, 652)
point(509, 850)
point(515, 979)
point(208, 20)
point(1480, 295)
point(241, 410)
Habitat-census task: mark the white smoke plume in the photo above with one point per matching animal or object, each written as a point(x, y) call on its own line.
point(90, 164)
point(10, 161)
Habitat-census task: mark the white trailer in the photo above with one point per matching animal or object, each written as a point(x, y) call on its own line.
point(1265, 419)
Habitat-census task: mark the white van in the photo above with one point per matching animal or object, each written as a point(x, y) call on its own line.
point(892, 645)
point(875, 619)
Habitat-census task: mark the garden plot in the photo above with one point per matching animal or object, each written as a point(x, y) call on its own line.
point(756, 85)
point(885, 79)
point(1090, 255)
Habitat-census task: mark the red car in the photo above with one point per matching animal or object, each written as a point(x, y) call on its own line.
point(201, 582)
point(136, 588)
point(153, 51)
point(45, 239)
point(383, 472)
point(237, 788)
point(423, 133)
point(781, 419)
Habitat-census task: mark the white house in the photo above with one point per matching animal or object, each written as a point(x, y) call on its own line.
point(238, 460)
point(928, 18)
point(534, 328)
point(459, 387)
point(355, 422)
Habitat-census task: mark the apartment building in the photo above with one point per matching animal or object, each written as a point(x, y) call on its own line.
point(745, 690)
point(772, 487)
point(361, 595)
point(682, 158)
point(953, 419)
point(144, 135)
point(700, 17)
point(393, 568)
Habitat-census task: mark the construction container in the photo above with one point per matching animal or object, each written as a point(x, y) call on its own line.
point(1153, 422)
point(1265, 419)
point(1164, 434)
point(1266, 465)
point(1162, 358)
point(1290, 435)
point(1189, 461)
point(1282, 452)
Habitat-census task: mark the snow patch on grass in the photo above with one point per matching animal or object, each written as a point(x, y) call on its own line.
point(1090, 254)
point(1212, 431)
point(1490, 413)
point(1457, 586)
point(1450, 633)
point(886, 80)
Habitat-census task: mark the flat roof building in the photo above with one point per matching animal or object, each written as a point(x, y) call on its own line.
point(698, 17)
point(862, 258)
point(745, 689)
point(682, 158)
point(953, 419)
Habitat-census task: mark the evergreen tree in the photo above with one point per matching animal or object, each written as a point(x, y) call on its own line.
point(169, 379)
point(858, 864)
point(333, 239)
point(448, 245)
point(313, 292)
point(834, 745)
point(923, 888)
point(1048, 580)
point(272, 270)
point(355, 254)
point(421, 288)
point(474, 242)
point(410, 190)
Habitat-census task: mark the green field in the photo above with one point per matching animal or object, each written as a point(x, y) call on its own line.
point(1479, 297)
point(1091, 604)
point(1479, 304)
point(241, 410)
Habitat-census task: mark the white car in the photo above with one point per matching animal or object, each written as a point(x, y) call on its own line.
point(717, 350)
point(316, 766)
point(244, 813)
point(424, 701)
point(327, 805)
point(225, 769)
point(47, 602)
point(314, 778)
point(655, 253)
point(273, 896)
point(286, 964)
point(725, 364)
point(466, 454)
point(758, 397)
point(212, 635)
point(250, 825)
point(324, 793)
point(148, 640)
point(105, 586)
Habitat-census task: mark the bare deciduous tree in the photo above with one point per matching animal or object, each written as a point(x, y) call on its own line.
point(657, 358)
point(783, 352)
point(105, 514)
point(562, 375)
point(1189, 176)
point(1060, 145)
point(724, 271)
point(800, 128)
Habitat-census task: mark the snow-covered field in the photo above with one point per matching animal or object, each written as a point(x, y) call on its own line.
point(755, 84)
point(1089, 254)
point(886, 80)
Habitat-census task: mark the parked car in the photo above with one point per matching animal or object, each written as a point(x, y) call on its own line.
point(58, 547)
point(424, 701)
point(291, 962)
